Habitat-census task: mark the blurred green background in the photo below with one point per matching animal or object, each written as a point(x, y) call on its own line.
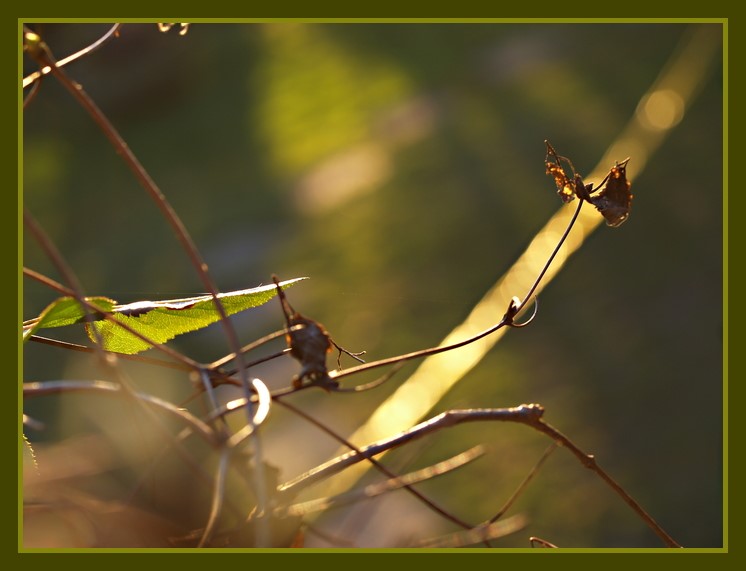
point(400, 166)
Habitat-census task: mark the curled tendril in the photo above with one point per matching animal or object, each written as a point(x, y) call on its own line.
point(514, 307)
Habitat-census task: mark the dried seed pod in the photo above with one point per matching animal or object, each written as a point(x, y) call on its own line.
point(309, 343)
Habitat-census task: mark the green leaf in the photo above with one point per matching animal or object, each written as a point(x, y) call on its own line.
point(161, 321)
point(65, 311)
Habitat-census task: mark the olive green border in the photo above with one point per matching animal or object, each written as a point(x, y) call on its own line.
point(41, 555)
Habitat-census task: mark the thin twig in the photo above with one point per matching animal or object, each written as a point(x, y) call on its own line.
point(32, 94)
point(217, 376)
point(524, 484)
point(538, 279)
point(39, 51)
point(372, 384)
point(246, 348)
point(207, 385)
point(542, 543)
point(49, 282)
point(515, 495)
point(481, 533)
point(361, 454)
point(528, 414)
point(373, 490)
point(217, 496)
point(589, 461)
point(39, 75)
point(76, 289)
point(137, 358)
point(193, 424)
point(513, 310)
point(107, 358)
point(445, 419)
point(35, 389)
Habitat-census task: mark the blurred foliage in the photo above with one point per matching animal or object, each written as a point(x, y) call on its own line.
point(401, 168)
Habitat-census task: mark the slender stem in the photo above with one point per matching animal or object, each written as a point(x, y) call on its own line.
point(415, 354)
point(506, 320)
point(538, 279)
point(217, 376)
point(137, 358)
point(32, 94)
point(38, 75)
point(482, 532)
point(373, 490)
point(542, 543)
point(76, 289)
point(193, 424)
point(108, 316)
point(121, 147)
point(43, 56)
point(366, 453)
point(245, 349)
point(108, 360)
point(589, 461)
point(76, 90)
point(218, 496)
point(448, 418)
point(35, 389)
point(524, 483)
point(528, 414)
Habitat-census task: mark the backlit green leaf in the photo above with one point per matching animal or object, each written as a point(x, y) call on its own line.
point(65, 311)
point(161, 321)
